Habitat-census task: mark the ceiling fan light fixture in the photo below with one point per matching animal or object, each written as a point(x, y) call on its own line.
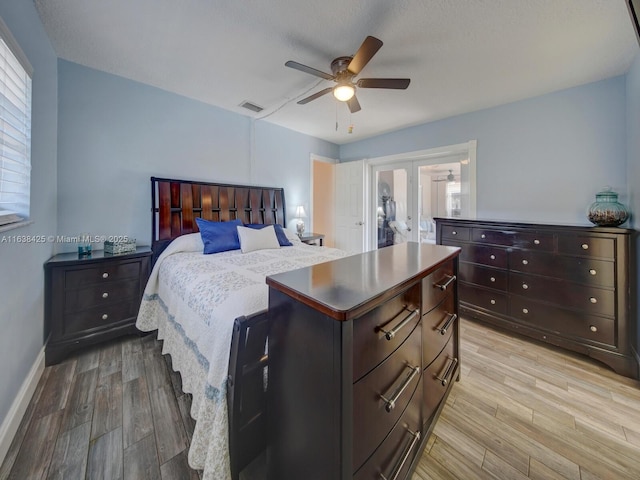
point(344, 92)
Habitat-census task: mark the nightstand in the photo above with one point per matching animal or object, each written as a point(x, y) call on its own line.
point(92, 299)
point(311, 238)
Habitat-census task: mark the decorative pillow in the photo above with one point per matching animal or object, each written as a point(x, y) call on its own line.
point(292, 236)
point(257, 239)
point(219, 236)
point(282, 237)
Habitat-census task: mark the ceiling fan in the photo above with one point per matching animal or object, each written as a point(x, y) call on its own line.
point(345, 69)
point(449, 178)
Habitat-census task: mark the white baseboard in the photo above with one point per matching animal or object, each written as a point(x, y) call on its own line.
point(12, 421)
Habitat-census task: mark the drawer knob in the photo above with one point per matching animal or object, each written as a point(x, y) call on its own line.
point(525, 310)
point(492, 257)
point(492, 301)
point(454, 232)
point(105, 316)
point(390, 334)
point(390, 403)
point(593, 328)
point(493, 279)
point(105, 275)
point(105, 295)
point(525, 262)
point(525, 286)
point(585, 246)
point(483, 236)
point(592, 271)
point(536, 242)
point(593, 299)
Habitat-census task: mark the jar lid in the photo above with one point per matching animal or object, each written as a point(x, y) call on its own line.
point(607, 192)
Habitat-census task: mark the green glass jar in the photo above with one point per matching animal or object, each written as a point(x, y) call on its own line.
point(606, 211)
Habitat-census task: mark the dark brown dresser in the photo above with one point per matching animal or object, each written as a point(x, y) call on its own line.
point(362, 354)
point(569, 286)
point(91, 299)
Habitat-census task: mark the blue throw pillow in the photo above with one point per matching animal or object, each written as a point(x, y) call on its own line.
point(282, 237)
point(219, 236)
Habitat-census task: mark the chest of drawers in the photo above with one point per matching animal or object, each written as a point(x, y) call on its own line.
point(565, 285)
point(91, 299)
point(362, 353)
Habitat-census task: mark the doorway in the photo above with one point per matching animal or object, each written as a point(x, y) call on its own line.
point(408, 193)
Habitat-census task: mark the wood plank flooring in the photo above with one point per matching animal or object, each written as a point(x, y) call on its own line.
point(521, 410)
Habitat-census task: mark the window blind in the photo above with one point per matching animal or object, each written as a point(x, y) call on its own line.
point(15, 129)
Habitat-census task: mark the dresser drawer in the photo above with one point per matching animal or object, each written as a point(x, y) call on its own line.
point(486, 255)
point(395, 379)
point(587, 246)
point(98, 317)
point(537, 241)
point(111, 292)
point(581, 270)
point(437, 327)
point(378, 333)
point(437, 377)
point(571, 324)
point(591, 300)
point(491, 236)
point(81, 277)
point(437, 285)
point(403, 441)
point(455, 232)
point(491, 300)
point(485, 276)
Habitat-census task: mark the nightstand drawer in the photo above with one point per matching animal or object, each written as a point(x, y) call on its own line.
point(382, 395)
point(107, 272)
point(380, 332)
point(98, 317)
point(113, 292)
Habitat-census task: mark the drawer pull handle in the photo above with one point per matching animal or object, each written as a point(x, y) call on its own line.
point(593, 328)
point(105, 316)
point(493, 279)
point(389, 334)
point(592, 271)
point(390, 403)
point(593, 299)
point(452, 318)
point(405, 457)
point(443, 286)
point(483, 236)
point(444, 379)
point(105, 295)
point(585, 246)
point(525, 286)
point(105, 275)
point(525, 262)
point(536, 242)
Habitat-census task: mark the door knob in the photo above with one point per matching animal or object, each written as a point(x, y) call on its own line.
point(359, 223)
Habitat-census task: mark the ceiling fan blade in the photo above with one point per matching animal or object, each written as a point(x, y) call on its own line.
point(366, 51)
point(315, 95)
point(310, 70)
point(354, 105)
point(397, 83)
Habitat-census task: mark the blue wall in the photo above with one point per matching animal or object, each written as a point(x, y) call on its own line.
point(540, 160)
point(21, 281)
point(115, 133)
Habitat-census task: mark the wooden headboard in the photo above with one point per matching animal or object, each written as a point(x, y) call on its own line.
point(177, 203)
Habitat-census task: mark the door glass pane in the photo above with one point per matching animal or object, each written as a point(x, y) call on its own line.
point(439, 195)
point(393, 206)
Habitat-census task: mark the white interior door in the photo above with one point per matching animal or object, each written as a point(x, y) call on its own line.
point(350, 207)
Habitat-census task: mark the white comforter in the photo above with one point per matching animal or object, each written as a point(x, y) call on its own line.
point(192, 300)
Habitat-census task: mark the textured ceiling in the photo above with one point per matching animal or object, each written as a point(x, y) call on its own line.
point(461, 55)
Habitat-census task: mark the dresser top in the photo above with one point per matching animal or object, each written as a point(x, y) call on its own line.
point(345, 288)
point(585, 228)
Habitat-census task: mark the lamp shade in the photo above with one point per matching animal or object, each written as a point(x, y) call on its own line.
point(344, 92)
point(300, 212)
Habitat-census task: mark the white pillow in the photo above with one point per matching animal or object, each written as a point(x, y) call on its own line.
point(252, 239)
point(291, 236)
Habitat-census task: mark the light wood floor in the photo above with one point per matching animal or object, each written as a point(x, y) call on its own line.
point(521, 410)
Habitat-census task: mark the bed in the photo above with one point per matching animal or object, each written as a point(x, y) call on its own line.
point(201, 304)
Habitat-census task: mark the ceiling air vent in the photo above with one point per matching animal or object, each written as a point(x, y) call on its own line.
point(251, 106)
